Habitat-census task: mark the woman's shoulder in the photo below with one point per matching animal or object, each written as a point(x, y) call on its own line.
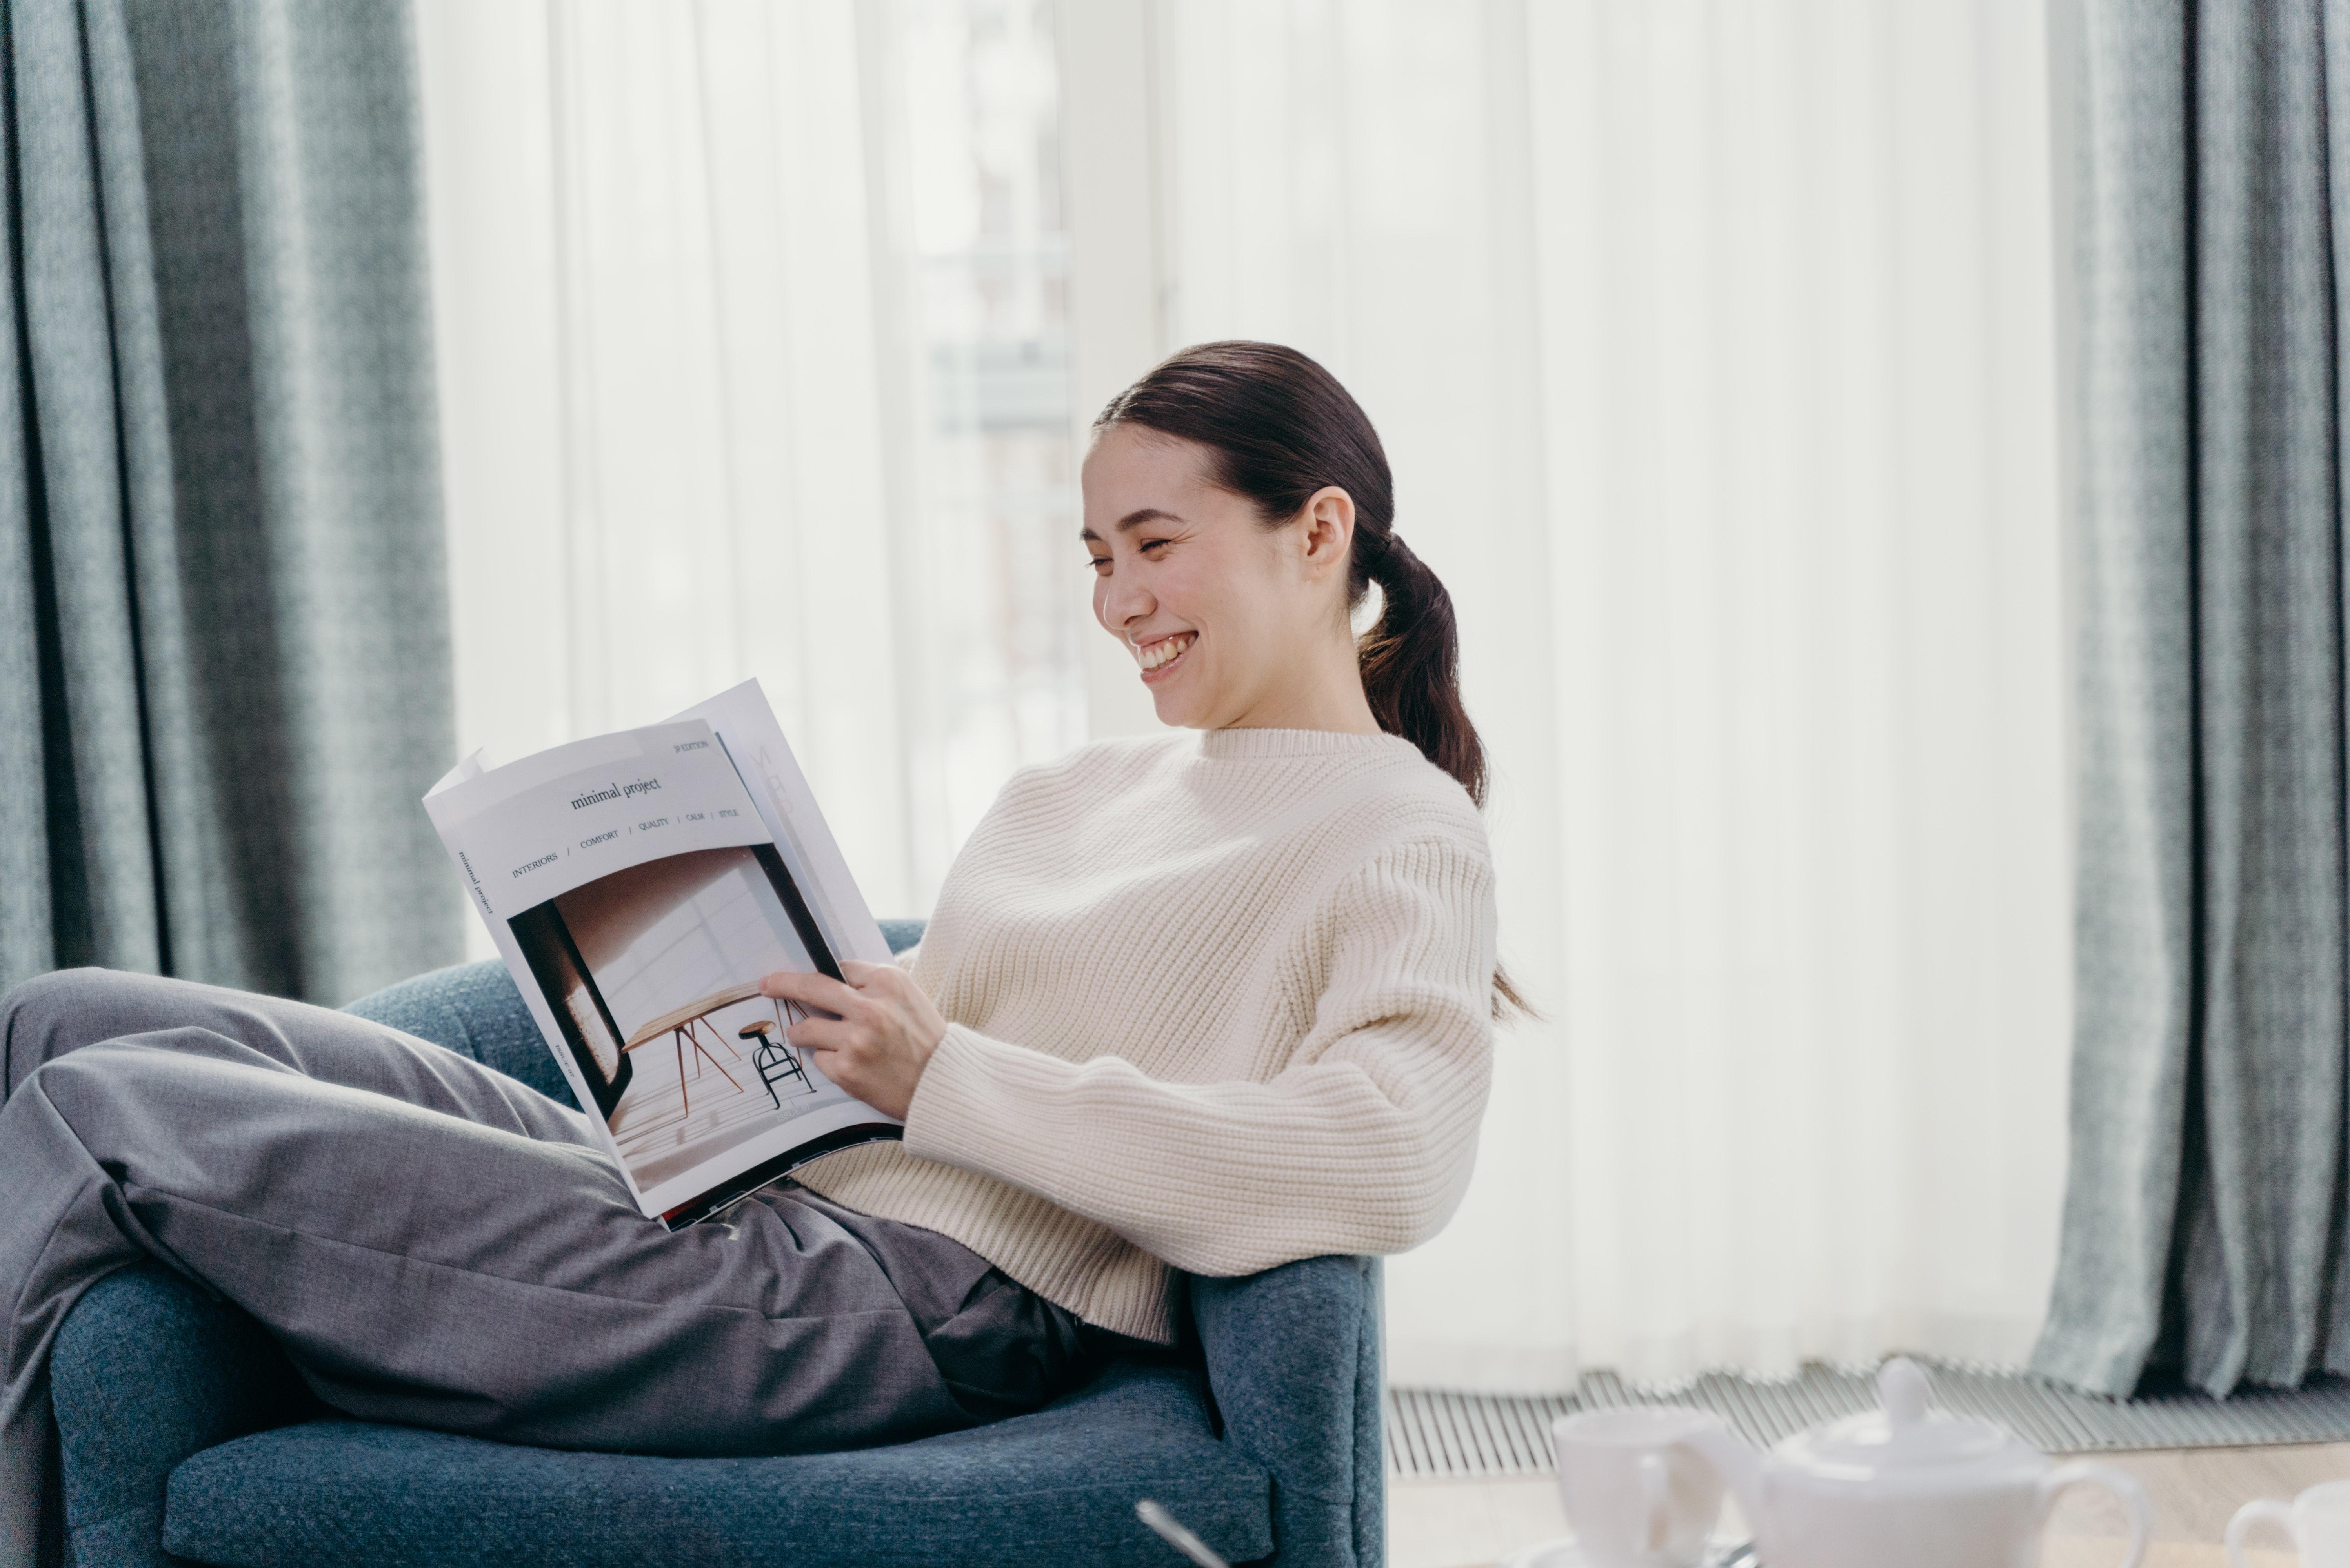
point(1412, 797)
point(1376, 803)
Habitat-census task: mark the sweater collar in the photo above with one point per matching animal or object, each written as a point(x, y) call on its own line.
point(1220, 744)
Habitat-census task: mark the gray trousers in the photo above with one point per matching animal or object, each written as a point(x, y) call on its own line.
point(435, 1244)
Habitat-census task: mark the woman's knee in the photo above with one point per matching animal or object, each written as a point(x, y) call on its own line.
point(47, 1016)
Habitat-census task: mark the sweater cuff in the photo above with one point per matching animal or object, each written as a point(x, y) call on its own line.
point(968, 1096)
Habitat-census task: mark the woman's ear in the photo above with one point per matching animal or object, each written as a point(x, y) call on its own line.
point(1328, 534)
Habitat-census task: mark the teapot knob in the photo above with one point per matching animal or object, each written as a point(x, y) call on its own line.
point(1905, 1391)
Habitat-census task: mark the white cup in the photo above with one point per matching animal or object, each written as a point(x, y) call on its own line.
point(2317, 1521)
point(1637, 1495)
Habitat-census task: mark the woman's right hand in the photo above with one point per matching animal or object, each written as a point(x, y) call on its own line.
point(886, 1028)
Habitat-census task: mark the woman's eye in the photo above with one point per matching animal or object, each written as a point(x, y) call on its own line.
point(1096, 562)
point(1150, 545)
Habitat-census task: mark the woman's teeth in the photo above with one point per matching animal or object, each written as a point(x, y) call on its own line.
point(1166, 649)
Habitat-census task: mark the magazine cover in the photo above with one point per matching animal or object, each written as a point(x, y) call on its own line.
point(639, 891)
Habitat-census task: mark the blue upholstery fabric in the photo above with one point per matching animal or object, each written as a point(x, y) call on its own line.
point(149, 1370)
point(475, 1011)
point(901, 934)
point(1312, 1420)
point(173, 1411)
point(1055, 1488)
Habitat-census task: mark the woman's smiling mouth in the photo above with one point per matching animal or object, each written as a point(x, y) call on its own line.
point(1161, 656)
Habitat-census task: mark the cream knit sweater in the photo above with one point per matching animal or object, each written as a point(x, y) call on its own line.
point(1215, 1000)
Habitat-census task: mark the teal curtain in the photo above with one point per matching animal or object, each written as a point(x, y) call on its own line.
point(223, 642)
point(2203, 1227)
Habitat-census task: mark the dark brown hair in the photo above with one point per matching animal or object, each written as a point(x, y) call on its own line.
point(1278, 426)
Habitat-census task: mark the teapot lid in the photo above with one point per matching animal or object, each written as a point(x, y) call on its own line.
point(1904, 1434)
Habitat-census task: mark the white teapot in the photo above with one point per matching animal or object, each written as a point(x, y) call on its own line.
point(1905, 1485)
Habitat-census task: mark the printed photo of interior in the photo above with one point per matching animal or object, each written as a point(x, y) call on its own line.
point(652, 973)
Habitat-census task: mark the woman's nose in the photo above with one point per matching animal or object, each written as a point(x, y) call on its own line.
point(1123, 604)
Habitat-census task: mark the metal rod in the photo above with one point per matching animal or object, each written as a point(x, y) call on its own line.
point(1163, 1525)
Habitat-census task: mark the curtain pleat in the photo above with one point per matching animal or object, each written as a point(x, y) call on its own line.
point(102, 872)
point(224, 646)
point(2203, 1223)
point(25, 943)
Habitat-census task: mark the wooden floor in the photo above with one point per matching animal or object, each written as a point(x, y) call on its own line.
point(1469, 1524)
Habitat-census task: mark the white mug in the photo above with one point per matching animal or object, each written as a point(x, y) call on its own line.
point(2317, 1521)
point(1637, 1495)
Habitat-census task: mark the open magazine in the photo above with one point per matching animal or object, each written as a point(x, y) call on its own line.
point(639, 884)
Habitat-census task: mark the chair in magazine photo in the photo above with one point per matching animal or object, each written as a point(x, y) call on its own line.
point(186, 1436)
point(775, 1057)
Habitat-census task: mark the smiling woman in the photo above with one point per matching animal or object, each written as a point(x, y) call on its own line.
point(1227, 494)
point(1199, 556)
point(1231, 615)
point(1217, 999)
point(1229, 486)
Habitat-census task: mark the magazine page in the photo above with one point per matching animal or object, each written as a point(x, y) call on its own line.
point(637, 894)
point(745, 721)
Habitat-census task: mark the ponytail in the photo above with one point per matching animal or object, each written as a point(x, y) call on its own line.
point(1278, 428)
point(1410, 661)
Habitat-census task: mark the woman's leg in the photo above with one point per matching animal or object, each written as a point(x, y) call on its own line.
point(49, 1016)
point(429, 1245)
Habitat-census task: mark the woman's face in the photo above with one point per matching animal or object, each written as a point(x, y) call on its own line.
point(1218, 611)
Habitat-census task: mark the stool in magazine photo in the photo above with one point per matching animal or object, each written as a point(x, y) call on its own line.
point(186, 1436)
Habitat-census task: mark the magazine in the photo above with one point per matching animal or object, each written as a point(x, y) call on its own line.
point(639, 884)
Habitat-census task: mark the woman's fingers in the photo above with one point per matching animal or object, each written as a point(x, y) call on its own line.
point(882, 1036)
point(807, 986)
point(828, 1035)
point(879, 983)
point(851, 1057)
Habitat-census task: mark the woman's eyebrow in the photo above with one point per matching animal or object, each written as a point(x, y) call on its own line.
point(1134, 519)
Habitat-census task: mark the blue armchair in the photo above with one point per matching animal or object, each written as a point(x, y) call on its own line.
point(186, 1435)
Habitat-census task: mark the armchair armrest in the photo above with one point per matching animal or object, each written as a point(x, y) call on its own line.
point(149, 1370)
point(1293, 1358)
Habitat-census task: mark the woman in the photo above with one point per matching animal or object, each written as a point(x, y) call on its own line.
point(1209, 1001)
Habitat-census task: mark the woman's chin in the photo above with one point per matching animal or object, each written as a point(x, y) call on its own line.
point(1179, 707)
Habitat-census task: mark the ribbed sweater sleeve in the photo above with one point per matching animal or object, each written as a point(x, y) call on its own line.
point(1362, 1142)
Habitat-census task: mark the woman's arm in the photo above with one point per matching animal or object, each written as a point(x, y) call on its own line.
point(1364, 1144)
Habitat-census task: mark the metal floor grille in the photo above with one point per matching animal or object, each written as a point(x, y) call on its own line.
point(1432, 1434)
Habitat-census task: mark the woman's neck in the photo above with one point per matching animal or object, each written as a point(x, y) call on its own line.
point(1323, 692)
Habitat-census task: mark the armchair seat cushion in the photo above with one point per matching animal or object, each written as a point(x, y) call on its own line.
point(1056, 1487)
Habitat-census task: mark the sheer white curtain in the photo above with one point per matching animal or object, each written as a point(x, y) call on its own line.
point(1712, 347)
point(751, 364)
